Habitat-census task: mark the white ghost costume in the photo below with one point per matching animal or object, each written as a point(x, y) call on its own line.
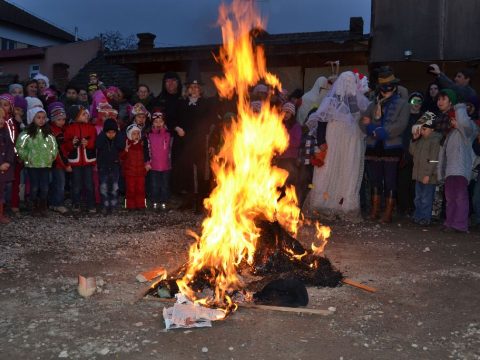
point(336, 185)
point(312, 98)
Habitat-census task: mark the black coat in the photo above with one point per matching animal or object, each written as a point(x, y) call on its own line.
point(7, 155)
point(108, 151)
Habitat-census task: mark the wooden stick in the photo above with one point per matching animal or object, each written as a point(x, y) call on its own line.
point(358, 285)
point(257, 306)
point(286, 309)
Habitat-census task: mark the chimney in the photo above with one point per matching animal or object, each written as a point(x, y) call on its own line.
point(146, 41)
point(356, 25)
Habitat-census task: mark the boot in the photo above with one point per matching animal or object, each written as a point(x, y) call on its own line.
point(376, 202)
point(35, 208)
point(3, 219)
point(42, 207)
point(389, 205)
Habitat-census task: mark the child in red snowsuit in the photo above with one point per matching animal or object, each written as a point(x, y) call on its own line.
point(134, 169)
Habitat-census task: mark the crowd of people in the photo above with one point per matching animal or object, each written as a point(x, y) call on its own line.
point(353, 145)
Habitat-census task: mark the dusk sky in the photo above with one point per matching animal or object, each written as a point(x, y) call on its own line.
point(190, 22)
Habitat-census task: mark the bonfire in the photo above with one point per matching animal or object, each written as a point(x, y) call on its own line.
point(252, 217)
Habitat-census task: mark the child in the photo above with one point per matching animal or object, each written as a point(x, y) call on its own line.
point(455, 166)
point(157, 159)
point(57, 185)
point(79, 148)
point(109, 146)
point(7, 160)
point(37, 148)
point(424, 148)
point(20, 107)
point(134, 168)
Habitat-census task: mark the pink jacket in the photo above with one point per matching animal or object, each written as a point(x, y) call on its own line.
point(158, 149)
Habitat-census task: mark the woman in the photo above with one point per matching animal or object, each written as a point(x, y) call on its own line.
point(336, 184)
point(430, 101)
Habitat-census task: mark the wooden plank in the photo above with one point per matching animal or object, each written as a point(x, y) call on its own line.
point(358, 285)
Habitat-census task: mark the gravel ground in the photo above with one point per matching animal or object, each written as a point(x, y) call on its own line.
point(426, 307)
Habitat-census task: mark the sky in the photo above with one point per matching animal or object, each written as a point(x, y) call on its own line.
point(190, 22)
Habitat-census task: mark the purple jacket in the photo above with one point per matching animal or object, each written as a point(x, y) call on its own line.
point(294, 141)
point(157, 149)
point(7, 154)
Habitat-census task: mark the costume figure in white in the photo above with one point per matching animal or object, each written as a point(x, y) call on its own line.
point(336, 184)
point(312, 98)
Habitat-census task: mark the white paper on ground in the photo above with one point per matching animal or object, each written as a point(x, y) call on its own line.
point(186, 314)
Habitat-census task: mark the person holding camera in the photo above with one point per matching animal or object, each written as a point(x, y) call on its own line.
point(384, 122)
point(79, 147)
point(460, 84)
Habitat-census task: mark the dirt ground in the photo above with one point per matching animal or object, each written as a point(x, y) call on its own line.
point(426, 307)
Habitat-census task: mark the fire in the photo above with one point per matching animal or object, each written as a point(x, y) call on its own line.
point(248, 186)
point(323, 233)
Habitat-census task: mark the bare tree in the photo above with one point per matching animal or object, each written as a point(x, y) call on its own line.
point(114, 40)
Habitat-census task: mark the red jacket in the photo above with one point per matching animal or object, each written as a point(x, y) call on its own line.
point(80, 155)
point(133, 163)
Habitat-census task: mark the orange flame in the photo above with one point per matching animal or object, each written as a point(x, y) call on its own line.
point(323, 233)
point(247, 184)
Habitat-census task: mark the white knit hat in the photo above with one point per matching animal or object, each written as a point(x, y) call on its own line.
point(33, 102)
point(44, 78)
point(32, 112)
point(131, 129)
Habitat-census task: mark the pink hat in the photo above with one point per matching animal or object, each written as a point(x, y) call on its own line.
point(139, 109)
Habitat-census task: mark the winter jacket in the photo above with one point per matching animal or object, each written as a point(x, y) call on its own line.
point(108, 151)
point(456, 155)
point(294, 141)
point(7, 155)
point(38, 151)
point(158, 149)
point(424, 150)
point(133, 163)
point(61, 160)
point(388, 129)
point(80, 155)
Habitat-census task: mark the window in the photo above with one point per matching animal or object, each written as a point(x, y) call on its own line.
point(8, 44)
point(34, 70)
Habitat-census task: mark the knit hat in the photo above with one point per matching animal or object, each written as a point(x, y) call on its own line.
point(12, 87)
point(32, 112)
point(260, 88)
point(56, 111)
point(74, 111)
point(452, 96)
point(427, 120)
point(110, 124)
point(33, 102)
point(289, 107)
point(130, 129)
point(10, 99)
point(44, 78)
point(139, 109)
point(20, 102)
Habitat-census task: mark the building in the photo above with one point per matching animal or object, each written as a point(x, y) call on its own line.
point(297, 58)
point(410, 34)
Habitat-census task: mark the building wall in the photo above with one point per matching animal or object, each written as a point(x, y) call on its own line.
point(21, 35)
point(76, 55)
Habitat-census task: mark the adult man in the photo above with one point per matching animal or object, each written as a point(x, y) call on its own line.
point(70, 97)
point(460, 83)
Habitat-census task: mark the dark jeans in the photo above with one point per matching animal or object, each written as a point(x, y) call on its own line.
point(39, 178)
point(159, 186)
point(57, 187)
point(108, 180)
point(424, 195)
point(305, 176)
point(406, 189)
point(383, 176)
point(82, 179)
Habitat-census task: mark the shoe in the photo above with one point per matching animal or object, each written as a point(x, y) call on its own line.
point(76, 208)
point(163, 207)
point(92, 211)
point(375, 205)
point(390, 204)
point(3, 219)
point(423, 222)
point(449, 230)
point(60, 209)
point(156, 206)
point(105, 211)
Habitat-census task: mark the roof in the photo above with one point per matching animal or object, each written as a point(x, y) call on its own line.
point(9, 13)
point(15, 54)
point(433, 30)
point(284, 41)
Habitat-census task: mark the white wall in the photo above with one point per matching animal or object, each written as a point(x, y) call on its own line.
point(28, 37)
